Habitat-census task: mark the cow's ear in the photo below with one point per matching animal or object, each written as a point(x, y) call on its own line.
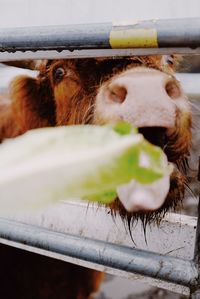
point(32, 102)
point(25, 64)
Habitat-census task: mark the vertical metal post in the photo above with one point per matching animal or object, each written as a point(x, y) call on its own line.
point(195, 289)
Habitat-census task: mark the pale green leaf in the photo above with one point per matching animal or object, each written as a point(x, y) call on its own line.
point(89, 162)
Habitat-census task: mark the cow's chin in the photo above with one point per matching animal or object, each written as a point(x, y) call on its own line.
point(172, 203)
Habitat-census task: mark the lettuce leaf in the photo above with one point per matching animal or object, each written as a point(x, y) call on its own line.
point(84, 161)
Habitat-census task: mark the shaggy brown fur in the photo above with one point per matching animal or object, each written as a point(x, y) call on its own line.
point(63, 94)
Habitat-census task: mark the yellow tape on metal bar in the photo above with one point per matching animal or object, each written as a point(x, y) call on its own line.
point(133, 38)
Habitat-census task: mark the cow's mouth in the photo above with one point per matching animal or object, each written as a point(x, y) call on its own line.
point(155, 135)
point(172, 145)
point(173, 201)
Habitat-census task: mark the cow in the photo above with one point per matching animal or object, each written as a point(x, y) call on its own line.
point(141, 90)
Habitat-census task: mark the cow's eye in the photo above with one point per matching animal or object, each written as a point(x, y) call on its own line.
point(59, 73)
point(170, 60)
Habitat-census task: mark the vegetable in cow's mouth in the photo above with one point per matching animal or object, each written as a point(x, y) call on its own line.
point(90, 162)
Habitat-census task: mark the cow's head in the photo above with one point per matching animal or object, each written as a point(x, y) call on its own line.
point(140, 90)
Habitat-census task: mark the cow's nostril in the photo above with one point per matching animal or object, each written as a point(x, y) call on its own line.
point(117, 93)
point(173, 89)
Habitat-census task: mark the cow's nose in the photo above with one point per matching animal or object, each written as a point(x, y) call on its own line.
point(165, 86)
point(141, 96)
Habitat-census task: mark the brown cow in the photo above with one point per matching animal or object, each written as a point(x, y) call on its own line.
point(140, 90)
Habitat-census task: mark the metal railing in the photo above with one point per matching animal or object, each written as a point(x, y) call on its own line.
point(175, 36)
point(147, 34)
point(132, 260)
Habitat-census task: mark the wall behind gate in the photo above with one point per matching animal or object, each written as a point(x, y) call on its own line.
point(44, 12)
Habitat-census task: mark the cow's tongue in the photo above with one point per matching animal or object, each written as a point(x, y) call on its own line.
point(137, 197)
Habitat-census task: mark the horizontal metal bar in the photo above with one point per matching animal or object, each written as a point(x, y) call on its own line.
point(176, 232)
point(66, 54)
point(127, 277)
point(83, 36)
point(144, 34)
point(178, 32)
point(142, 262)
